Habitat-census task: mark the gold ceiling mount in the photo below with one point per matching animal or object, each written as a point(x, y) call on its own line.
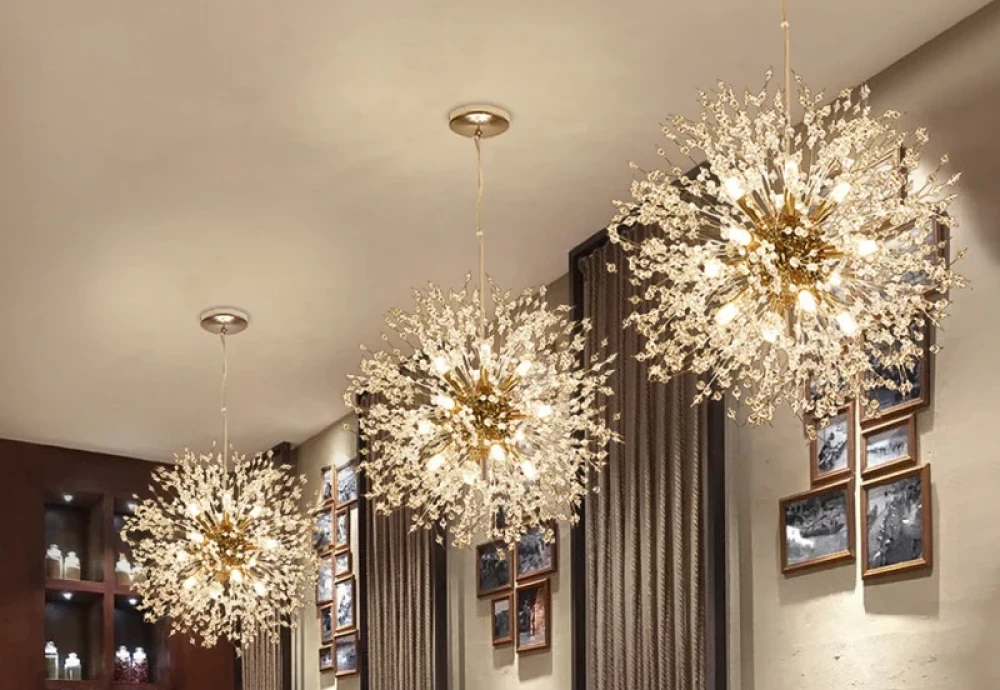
point(230, 319)
point(487, 120)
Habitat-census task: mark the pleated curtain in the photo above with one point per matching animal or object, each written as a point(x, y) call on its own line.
point(645, 584)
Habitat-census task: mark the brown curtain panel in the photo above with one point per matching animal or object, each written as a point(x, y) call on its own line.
point(645, 584)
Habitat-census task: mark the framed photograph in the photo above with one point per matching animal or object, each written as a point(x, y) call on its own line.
point(938, 237)
point(534, 606)
point(326, 624)
point(324, 583)
point(343, 564)
point(817, 527)
point(323, 531)
point(345, 652)
point(347, 484)
point(896, 523)
point(889, 446)
point(534, 556)
point(892, 403)
point(493, 562)
point(326, 490)
point(831, 455)
point(503, 631)
point(345, 591)
point(342, 530)
point(326, 658)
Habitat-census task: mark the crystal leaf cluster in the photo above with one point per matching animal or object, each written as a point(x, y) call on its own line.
point(225, 552)
point(792, 265)
point(484, 428)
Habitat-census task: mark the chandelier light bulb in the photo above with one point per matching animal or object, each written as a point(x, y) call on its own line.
point(236, 576)
point(190, 582)
point(444, 402)
point(834, 280)
point(425, 427)
point(771, 327)
point(270, 544)
point(867, 247)
point(734, 188)
point(807, 301)
point(847, 323)
point(739, 236)
point(529, 470)
point(523, 368)
point(256, 511)
point(441, 365)
point(726, 314)
point(182, 556)
point(543, 410)
point(713, 268)
point(194, 509)
point(196, 537)
point(497, 453)
point(435, 463)
point(260, 588)
point(470, 473)
point(840, 192)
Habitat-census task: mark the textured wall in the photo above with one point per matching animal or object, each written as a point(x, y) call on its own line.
point(937, 632)
point(473, 662)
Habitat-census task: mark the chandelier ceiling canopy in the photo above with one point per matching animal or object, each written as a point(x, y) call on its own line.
point(223, 543)
point(794, 264)
point(482, 417)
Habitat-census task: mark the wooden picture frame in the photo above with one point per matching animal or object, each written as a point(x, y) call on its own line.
point(910, 406)
point(350, 497)
point(323, 531)
point(326, 494)
point(346, 584)
point(888, 515)
point(342, 666)
point(326, 658)
point(908, 426)
point(501, 638)
point(345, 571)
point(818, 477)
point(553, 567)
point(525, 612)
point(495, 581)
point(801, 505)
point(326, 624)
point(339, 545)
point(325, 575)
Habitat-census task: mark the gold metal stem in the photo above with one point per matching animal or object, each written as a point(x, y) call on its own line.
point(225, 413)
point(788, 75)
point(479, 234)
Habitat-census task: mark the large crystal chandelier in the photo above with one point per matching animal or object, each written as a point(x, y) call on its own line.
point(797, 264)
point(484, 424)
point(222, 542)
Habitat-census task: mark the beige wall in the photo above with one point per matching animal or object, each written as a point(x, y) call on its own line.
point(937, 632)
point(333, 446)
point(473, 662)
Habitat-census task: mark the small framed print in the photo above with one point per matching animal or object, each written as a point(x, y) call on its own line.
point(534, 607)
point(817, 527)
point(326, 658)
point(347, 484)
point(831, 454)
point(324, 583)
point(503, 631)
point(323, 530)
point(345, 654)
point(326, 490)
point(345, 596)
point(342, 530)
point(343, 564)
point(889, 446)
point(894, 403)
point(896, 523)
point(493, 568)
point(326, 624)
point(535, 556)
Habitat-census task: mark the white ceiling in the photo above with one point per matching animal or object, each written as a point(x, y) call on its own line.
point(293, 158)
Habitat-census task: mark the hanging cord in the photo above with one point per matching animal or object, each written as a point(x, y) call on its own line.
point(479, 234)
point(788, 75)
point(225, 414)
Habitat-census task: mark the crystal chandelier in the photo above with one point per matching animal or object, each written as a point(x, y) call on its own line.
point(222, 542)
point(487, 425)
point(797, 265)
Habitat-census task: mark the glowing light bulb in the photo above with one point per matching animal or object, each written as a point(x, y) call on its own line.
point(543, 410)
point(769, 333)
point(834, 280)
point(497, 452)
point(182, 556)
point(470, 472)
point(425, 426)
point(734, 189)
point(190, 582)
point(270, 543)
point(519, 436)
point(215, 590)
point(791, 171)
point(194, 509)
point(523, 368)
point(133, 601)
point(227, 501)
point(867, 247)
point(485, 351)
point(847, 323)
point(713, 268)
point(255, 513)
point(444, 402)
point(68, 498)
point(529, 470)
point(435, 463)
point(236, 576)
point(807, 300)
point(441, 365)
point(196, 537)
point(67, 595)
point(130, 506)
point(840, 192)
point(740, 236)
point(260, 588)
point(726, 313)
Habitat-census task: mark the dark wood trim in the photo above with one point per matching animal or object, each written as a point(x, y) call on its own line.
point(364, 525)
point(440, 565)
point(717, 643)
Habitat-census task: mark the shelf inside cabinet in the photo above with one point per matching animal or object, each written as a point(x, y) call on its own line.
point(131, 630)
point(75, 523)
point(79, 590)
point(77, 626)
point(74, 685)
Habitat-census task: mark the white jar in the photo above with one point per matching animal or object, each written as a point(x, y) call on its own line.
point(123, 571)
point(51, 661)
point(53, 563)
point(73, 670)
point(71, 566)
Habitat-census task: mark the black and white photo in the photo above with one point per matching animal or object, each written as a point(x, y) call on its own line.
point(817, 527)
point(326, 492)
point(345, 590)
point(534, 605)
point(889, 446)
point(342, 530)
point(896, 534)
point(326, 624)
point(502, 631)
point(345, 651)
point(493, 568)
point(343, 564)
point(832, 452)
point(324, 582)
point(536, 556)
point(323, 531)
point(347, 484)
point(910, 389)
point(326, 658)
